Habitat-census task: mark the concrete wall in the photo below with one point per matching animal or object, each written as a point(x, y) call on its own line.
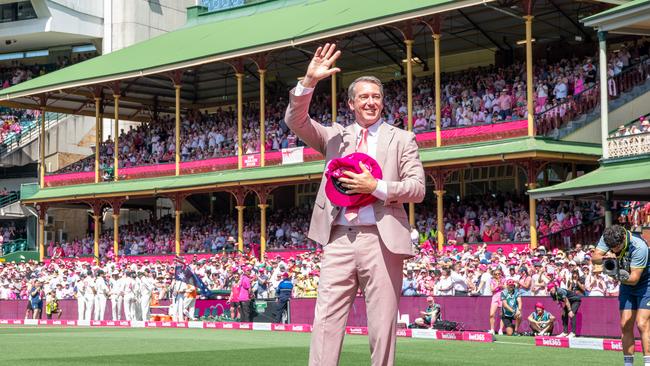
point(68, 142)
point(13, 184)
point(73, 222)
point(622, 115)
point(130, 21)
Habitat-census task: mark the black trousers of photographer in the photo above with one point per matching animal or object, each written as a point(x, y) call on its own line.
point(575, 305)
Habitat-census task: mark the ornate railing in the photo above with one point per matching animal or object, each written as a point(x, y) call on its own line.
point(586, 233)
point(630, 145)
point(574, 106)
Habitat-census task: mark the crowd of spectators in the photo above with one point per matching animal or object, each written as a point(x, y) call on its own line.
point(14, 121)
point(454, 272)
point(476, 219)
point(474, 96)
point(642, 125)
point(11, 230)
point(199, 234)
point(503, 218)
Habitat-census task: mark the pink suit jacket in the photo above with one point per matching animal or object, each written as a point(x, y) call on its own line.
point(397, 154)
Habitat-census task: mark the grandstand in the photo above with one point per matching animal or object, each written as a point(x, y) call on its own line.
point(532, 128)
point(177, 148)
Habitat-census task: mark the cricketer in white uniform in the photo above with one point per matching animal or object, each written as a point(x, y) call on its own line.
point(89, 296)
point(101, 293)
point(129, 297)
point(116, 295)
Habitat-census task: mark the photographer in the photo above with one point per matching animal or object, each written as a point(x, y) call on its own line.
point(625, 257)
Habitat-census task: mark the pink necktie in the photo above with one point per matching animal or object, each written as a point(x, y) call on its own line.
point(352, 212)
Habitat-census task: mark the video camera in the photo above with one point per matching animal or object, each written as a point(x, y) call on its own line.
point(611, 267)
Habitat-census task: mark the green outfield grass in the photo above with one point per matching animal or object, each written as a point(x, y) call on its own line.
point(110, 346)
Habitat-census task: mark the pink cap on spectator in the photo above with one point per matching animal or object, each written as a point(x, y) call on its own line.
point(482, 267)
point(551, 285)
point(510, 283)
point(430, 298)
point(539, 305)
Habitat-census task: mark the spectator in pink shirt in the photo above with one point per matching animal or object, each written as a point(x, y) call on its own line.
point(244, 294)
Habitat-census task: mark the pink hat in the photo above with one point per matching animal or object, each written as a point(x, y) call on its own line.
point(430, 298)
point(551, 285)
point(539, 305)
point(334, 189)
point(510, 283)
point(482, 267)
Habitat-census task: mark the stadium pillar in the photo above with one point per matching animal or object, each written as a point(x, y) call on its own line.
point(334, 97)
point(573, 171)
point(439, 177)
point(608, 209)
point(97, 214)
point(533, 216)
point(177, 134)
point(436, 62)
point(96, 239)
point(240, 227)
point(409, 106)
point(604, 108)
point(116, 205)
point(440, 212)
point(262, 73)
point(116, 233)
point(177, 232)
point(41, 209)
point(240, 84)
point(116, 132)
point(98, 135)
point(177, 200)
point(263, 208)
point(41, 148)
point(529, 75)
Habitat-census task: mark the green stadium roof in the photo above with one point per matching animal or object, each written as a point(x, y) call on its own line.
point(633, 17)
point(295, 23)
point(460, 155)
point(626, 179)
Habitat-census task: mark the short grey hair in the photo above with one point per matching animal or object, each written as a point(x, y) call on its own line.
point(365, 79)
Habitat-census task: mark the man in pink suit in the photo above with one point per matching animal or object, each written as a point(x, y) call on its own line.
point(363, 247)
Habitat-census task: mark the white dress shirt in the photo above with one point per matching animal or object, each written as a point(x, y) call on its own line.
point(366, 215)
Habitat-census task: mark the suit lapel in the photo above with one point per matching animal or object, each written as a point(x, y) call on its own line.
point(386, 133)
point(349, 140)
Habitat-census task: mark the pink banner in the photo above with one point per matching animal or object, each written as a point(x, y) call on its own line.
point(165, 324)
point(356, 330)
point(552, 342)
point(505, 128)
point(617, 345)
point(478, 337)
